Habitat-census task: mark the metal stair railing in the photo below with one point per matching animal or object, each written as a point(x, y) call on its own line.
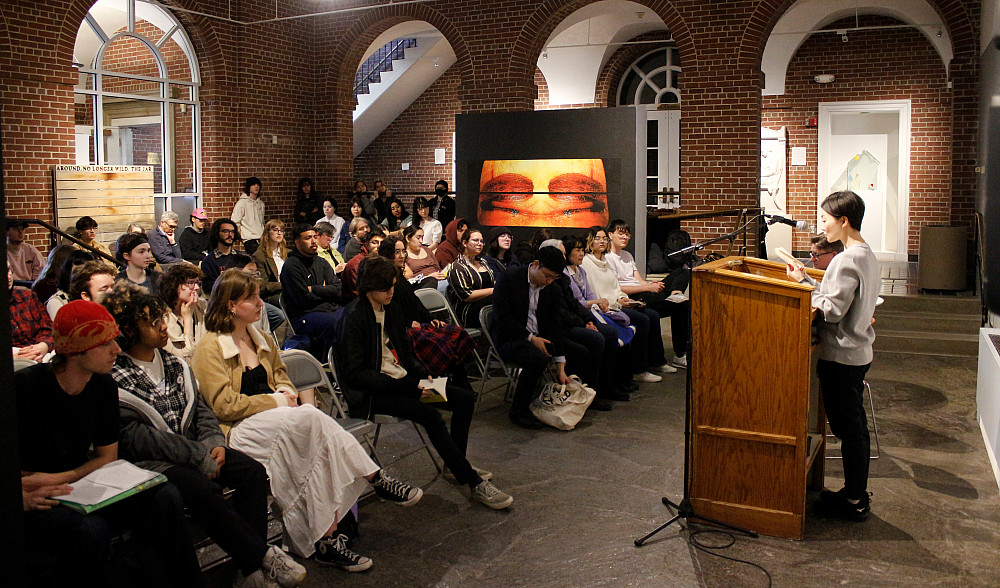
point(380, 61)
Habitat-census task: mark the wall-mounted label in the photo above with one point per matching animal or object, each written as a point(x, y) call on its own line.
point(105, 168)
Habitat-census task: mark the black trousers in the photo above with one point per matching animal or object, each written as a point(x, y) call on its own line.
point(251, 246)
point(73, 549)
point(647, 345)
point(680, 317)
point(843, 397)
point(239, 526)
point(450, 446)
point(580, 360)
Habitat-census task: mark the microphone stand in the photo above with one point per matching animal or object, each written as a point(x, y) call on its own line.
point(685, 510)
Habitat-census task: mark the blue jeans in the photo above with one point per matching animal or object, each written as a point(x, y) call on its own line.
point(320, 326)
point(274, 316)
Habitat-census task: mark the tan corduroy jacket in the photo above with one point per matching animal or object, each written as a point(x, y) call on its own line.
point(217, 367)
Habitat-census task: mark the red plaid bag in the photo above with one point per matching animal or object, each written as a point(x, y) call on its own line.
point(440, 348)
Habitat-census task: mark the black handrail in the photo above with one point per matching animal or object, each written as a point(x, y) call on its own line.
point(65, 235)
point(376, 68)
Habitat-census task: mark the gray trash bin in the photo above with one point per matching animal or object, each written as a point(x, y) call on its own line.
point(942, 258)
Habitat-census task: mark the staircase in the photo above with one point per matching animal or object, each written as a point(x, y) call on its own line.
point(928, 325)
point(378, 63)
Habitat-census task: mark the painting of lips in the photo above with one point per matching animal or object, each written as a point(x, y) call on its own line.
point(570, 193)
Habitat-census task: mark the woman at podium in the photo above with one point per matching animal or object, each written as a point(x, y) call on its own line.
point(846, 302)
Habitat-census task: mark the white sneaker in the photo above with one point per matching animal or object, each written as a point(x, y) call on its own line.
point(493, 497)
point(677, 297)
point(647, 378)
point(254, 580)
point(665, 369)
point(280, 567)
point(681, 362)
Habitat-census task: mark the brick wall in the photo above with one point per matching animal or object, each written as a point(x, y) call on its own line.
point(426, 125)
point(869, 67)
point(293, 79)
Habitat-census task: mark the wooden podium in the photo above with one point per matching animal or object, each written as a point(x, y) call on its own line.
point(754, 417)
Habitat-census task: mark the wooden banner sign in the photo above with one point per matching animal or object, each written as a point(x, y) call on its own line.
point(113, 195)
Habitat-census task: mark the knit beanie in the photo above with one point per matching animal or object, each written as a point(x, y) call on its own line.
point(82, 325)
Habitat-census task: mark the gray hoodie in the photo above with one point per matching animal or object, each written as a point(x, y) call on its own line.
point(248, 214)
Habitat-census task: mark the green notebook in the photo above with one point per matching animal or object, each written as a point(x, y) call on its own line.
point(109, 484)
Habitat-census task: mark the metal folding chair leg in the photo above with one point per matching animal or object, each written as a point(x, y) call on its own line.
point(424, 443)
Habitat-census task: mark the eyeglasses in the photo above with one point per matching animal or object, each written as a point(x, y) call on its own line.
point(622, 234)
point(277, 230)
point(226, 231)
point(476, 241)
point(193, 284)
point(595, 239)
point(818, 255)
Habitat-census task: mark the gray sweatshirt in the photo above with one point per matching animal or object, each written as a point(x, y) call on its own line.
point(846, 301)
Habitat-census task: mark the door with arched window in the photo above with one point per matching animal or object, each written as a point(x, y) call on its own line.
point(136, 100)
point(653, 82)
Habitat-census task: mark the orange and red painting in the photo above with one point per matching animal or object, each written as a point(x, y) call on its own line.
point(543, 193)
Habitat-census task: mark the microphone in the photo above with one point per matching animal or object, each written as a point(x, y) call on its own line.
point(799, 225)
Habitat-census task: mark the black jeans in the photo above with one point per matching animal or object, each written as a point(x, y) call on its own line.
point(239, 527)
point(647, 345)
point(532, 363)
point(74, 548)
point(843, 397)
point(680, 317)
point(450, 446)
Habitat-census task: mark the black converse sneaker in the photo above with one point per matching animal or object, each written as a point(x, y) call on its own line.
point(333, 551)
point(391, 489)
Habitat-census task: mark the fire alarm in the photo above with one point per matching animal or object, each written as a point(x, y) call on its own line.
point(811, 123)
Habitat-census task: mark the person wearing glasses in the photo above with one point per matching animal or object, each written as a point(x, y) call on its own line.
point(165, 247)
point(87, 227)
point(180, 291)
point(471, 281)
point(822, 252)
point(270, 258)
point(223, 236)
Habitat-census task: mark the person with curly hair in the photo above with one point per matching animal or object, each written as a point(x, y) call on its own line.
point(166, 427)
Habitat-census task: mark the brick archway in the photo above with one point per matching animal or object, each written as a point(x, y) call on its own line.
point(520, 78)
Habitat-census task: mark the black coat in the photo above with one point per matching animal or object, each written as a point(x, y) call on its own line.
point(297, 274)
point(359, 363)
point(510, 310)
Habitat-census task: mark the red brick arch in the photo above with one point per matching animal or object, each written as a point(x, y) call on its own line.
point(539, 26)
point(344, 61)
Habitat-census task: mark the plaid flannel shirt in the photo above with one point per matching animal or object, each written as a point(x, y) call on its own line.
point(29, 321)
point(168, 400)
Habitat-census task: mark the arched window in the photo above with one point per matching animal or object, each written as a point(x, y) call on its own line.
point(137, 94)
point(654, 78)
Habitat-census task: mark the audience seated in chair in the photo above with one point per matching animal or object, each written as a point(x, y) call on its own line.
point(451, 248)
point(325, 233)
point(162, 243)
point(22, 258)
point(67, 423)
point(167, 427)
point(369, 248)
point(526, 328)
point(310, 289)
point(76, 259)
point(223, 236)
point(358, 229)
point(195, 241)
point(30, 325)
point(87, 228)
point(380, 374)
point(184, 309)
point(471, 280)
point(133, 249)
point(91, 281)
point(243, 379)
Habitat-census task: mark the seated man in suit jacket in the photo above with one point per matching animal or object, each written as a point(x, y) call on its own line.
point(526, 307)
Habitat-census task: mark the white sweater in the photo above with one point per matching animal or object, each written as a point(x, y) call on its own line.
point(846, 298)
point(602, 280)
point(248, 214)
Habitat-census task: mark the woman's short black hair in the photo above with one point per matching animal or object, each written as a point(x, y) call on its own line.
point(251, 181)
point(375, 274)
point(418, 203)
point(845, 203)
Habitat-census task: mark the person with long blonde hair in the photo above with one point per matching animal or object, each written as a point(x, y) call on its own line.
point(317, 469)
point(270, 258)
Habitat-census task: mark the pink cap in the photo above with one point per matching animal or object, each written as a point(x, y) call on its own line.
point(199, 213)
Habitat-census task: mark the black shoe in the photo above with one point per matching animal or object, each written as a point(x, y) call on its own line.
point(333, 551)
point(630, 386)
point(391, 489)
point(619, 395)
point(525, 420)
point(601, 403)
point(836, 505)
